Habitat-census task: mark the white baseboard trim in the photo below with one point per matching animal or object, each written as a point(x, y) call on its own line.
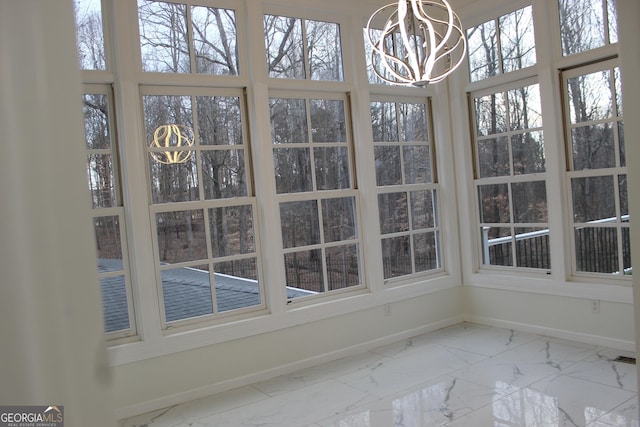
point(554, 332)
point(200, 392)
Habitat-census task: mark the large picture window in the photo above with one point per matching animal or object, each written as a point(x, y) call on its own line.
point(313, 161)
point(202, 209)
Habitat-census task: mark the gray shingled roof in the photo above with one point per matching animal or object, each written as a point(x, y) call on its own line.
point(186, 293)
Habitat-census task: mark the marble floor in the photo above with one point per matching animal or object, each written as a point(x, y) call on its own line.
point(464, 375)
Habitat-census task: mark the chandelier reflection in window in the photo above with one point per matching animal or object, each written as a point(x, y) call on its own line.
point(176, 139)
point(421, 42)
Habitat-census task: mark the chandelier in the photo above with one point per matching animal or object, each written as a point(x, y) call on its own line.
point(421, 42)
point(176, 141)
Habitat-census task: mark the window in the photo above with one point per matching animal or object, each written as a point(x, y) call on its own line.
point(501, 45)
point(303, 49)
point(313, 161)
point(597, 169)
point(179, 38)
point(89, 34)
point(108, 212)
point(203, 212)
point(407, 188)
point(510, 179)
point(587, 24)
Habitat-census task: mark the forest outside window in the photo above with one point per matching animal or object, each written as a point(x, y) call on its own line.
point(502, 45)
point(303, 49)
point(407, 188)
point(90, 35)
point(184, 38)
point(587, 24)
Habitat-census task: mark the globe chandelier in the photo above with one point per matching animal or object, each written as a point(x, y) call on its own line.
point(420, 43)
point(176, 140)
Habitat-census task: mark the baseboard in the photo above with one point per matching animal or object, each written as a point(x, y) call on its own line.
point(554, 332)
point(185, 396)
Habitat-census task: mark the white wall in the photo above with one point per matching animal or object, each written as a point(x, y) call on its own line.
point(51, 339)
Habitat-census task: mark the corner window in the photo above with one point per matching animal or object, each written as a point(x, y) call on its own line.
point(510, 177)
point(597, 169)
point(108, 212)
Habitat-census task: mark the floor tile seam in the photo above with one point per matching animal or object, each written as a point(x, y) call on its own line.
point(564, 374)
point(612, 411)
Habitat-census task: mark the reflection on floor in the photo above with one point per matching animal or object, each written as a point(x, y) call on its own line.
point(464, 375)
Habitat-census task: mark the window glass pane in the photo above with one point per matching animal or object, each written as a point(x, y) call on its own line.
point(89, 34)
point(525, 111)
point(426, 249)
point(219, 120)
point(332, 168)
point(214, 39)
point(618, 90)
point(186, 292)
point(582, 25)
point(593, 198)
point(494, 203)
point(223, 173)
point(328, 120)
point(113, 290)
point(101, 182)
point(108, 243)
point(413, 122)
point(497, 243)
point(532, 248)
point(590, 97)
point(626, 251)
point(529, 201)
point(288, 121)
point(517, 41)
point(483, 51)
point(283, 40)
point(528, 153)
point(231, 230)
point(417, 164)
point(394, 216)
point(388, 166)
point(396, 257)
point(299, 223)
point(292, 169)
point(593, 147)
point(422, 209)
point(304, 273)
point(597, 249)
point(100, 160)
point(343, 268)
point(339, 219)
point(623, 155)
point(374, 60)
point(490, 114)
point(164, 40)
point(325, 52)
point(384, 122)
point(181, 236)
point(493, 157)
point(624, 201)
point(236, 284)
point(612, 20)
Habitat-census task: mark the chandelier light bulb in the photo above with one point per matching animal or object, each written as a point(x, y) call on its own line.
point(421, 42)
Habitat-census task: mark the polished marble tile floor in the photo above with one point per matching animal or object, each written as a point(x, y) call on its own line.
point(463, 375)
